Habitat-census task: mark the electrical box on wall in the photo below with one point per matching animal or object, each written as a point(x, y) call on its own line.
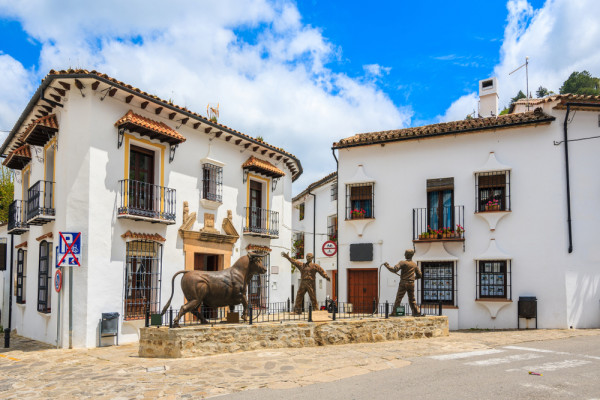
point(361, 252)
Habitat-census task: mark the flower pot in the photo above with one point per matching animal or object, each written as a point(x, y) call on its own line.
point(494, 207)
point(358, 216)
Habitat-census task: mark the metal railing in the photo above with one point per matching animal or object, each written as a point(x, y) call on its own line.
point(16, 217)
point(40, 200)
point(373, 309)
point(141, 199)
point(439, 223)
point(261, 221)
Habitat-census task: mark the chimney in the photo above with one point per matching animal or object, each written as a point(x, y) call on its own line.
point(488, 97)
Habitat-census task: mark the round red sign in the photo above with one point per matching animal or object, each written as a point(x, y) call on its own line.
point(329, 248)
point(58, 280)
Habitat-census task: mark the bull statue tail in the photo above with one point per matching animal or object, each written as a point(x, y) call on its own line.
point(164, 310)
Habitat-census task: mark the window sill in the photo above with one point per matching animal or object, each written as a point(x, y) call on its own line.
point(497, 300)
point(210, 204)
point(45, 314)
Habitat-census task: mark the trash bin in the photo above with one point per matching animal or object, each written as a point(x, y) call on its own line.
point(109, 326)
point(527, 308)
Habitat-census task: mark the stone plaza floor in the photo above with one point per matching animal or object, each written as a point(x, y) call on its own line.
point(31, 370)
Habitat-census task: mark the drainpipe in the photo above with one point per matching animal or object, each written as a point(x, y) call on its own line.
point(314, 224)
point(565, 128)
point(10, 295)
point(337, 223)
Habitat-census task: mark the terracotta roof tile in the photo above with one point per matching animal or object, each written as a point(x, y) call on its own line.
point(466, 126)
point(130, 118)
point(21, 245)
point(49, 121)
point(258, 248)
point(254, 163)
point(44, 236)
point(143, 236)
point(562, 100)
point(18, 158)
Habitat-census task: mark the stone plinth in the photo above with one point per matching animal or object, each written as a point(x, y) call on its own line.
point(204, 339)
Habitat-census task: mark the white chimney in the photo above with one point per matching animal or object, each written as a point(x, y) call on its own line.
point(488, 97)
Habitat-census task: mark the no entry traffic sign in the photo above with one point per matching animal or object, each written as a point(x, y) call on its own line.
point(329, 248)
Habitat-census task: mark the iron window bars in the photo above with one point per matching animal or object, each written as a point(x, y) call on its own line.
point(492, 191)
point(301, 211)
point(44, 276)
point(334, 191)
point(147, 200)
point(359, 201)
point(143, 276)
point(17, 218)
point(494, 279)
point(429, 223)
point(258, 289)
point(438, 284)
point(21, 276)
point(332, 230)
point(212, 182)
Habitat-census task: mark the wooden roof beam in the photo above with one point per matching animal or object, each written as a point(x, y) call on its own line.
point(55, 97)
point(158, 110)
point(144, 105)
point(62, 92)
point(207, 130)
point(172, 115)
point(78, 84)
point(247, 145)
point(218, 134)
point(228, 138)
point(112, 92)
point(128, 99)
point(95, 85)
point(255, 148)
point(196, 125)
point(65, 85)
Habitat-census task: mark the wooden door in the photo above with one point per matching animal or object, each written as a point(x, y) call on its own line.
point(333, 284)
point(362, 289)
point(141, 179)
point(255, 205)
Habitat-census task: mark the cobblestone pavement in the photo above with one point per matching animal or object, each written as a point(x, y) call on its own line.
point(30, 370)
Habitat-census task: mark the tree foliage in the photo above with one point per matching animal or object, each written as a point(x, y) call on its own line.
point(519, 95)
point(542, 92)
point(581, 83)
point(6, 192)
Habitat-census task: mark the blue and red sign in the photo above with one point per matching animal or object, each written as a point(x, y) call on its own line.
point(69, 249)
point(58, 279)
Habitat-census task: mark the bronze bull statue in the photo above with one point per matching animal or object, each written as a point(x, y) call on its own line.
point(217, 288)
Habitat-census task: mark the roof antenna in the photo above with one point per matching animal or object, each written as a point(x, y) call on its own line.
point(526, 65)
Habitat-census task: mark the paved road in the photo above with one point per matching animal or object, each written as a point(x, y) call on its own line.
point(569, 368)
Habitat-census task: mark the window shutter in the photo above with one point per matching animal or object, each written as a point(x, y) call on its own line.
point(434, 185)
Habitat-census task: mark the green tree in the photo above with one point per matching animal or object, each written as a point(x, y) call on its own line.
point(519, 95)
point(6, 192)
point(542, 92)
point(581, 83)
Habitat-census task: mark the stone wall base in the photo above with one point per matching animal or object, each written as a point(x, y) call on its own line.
point(203, 340)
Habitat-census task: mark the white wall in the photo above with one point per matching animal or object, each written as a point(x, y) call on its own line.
point(534, 234)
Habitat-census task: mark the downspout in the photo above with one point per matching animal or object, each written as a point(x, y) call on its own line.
point(314, 224)
point(10, 295)
point(337, 224)
point(565, 128)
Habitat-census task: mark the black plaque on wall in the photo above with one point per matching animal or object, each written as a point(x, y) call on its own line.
point(361, 252)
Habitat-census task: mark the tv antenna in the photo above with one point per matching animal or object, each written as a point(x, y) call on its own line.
point(526, 65)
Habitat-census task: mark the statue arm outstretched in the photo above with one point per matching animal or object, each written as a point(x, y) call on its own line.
point(296, 263)
point(322, 272)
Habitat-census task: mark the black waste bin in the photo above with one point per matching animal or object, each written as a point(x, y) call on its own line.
point(527, 309)
point(109, 326)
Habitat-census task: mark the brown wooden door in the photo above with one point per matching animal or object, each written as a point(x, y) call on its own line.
point(141, 179)
point(333, 285)
point(255, 205)
point(362, 289)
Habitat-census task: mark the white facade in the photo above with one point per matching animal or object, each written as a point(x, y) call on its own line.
point(532, 238)
point(324, 224)
point(89, 165)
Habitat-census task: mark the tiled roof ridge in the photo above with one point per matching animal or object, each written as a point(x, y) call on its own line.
point(554, 97)
point(443, 128)
point(316, 184)
point(149, 123)
point(183, 109)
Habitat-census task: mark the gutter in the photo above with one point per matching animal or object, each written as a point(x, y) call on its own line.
point(46, 82)
point(314, 224)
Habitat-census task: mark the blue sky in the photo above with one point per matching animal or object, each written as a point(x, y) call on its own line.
point(302, 72)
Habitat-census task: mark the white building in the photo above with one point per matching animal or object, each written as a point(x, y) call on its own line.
point(311, 229)
point(100, 157)
point(505, 181)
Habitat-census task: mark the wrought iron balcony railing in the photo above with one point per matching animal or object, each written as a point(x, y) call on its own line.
point(16, 218)
point(144, 201)
point(261, 222)
point(40, 203)
point(439, 223)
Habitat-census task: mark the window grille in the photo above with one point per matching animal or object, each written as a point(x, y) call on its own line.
point(301, 209)
point(44, 276)
point(334, 191)
point(298, 245)
point(492, 191)
point(494, 279)
point(143, 273)
point(258, 290)
point(438, 284)
point(212, 182)
point(359, 201)
point(332, 230)
point(21, 276)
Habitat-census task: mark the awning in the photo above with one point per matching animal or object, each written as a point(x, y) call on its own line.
point(147, 127)
point(18, 158)
point(143, 236)
point(262, 167)
point(40, 131)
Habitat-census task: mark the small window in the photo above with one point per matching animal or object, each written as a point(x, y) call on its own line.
point(493, 191)
point(332, 230)
point(334, 191)
point(44, 276)
point(298, 245)
point(301, 209)
point(212, 182)
point(143, 272)
point(258, 289)
point(359, 202)
point(438, 282)
point(493, 279)
point(21, 276)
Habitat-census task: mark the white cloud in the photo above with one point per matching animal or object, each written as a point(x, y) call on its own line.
point(376, 69)
point(275, 84)
point(460, 108)
point(561, 37)
point(16, 88)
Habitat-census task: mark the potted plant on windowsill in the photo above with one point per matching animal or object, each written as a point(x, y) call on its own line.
point(358, 213)
point(492, 205)
point(459, 231)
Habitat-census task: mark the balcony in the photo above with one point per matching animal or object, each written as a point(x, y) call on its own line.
point(16, 218)
point(261, 222)
point(40, 203)
point(143, 201)
point(439, 224)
